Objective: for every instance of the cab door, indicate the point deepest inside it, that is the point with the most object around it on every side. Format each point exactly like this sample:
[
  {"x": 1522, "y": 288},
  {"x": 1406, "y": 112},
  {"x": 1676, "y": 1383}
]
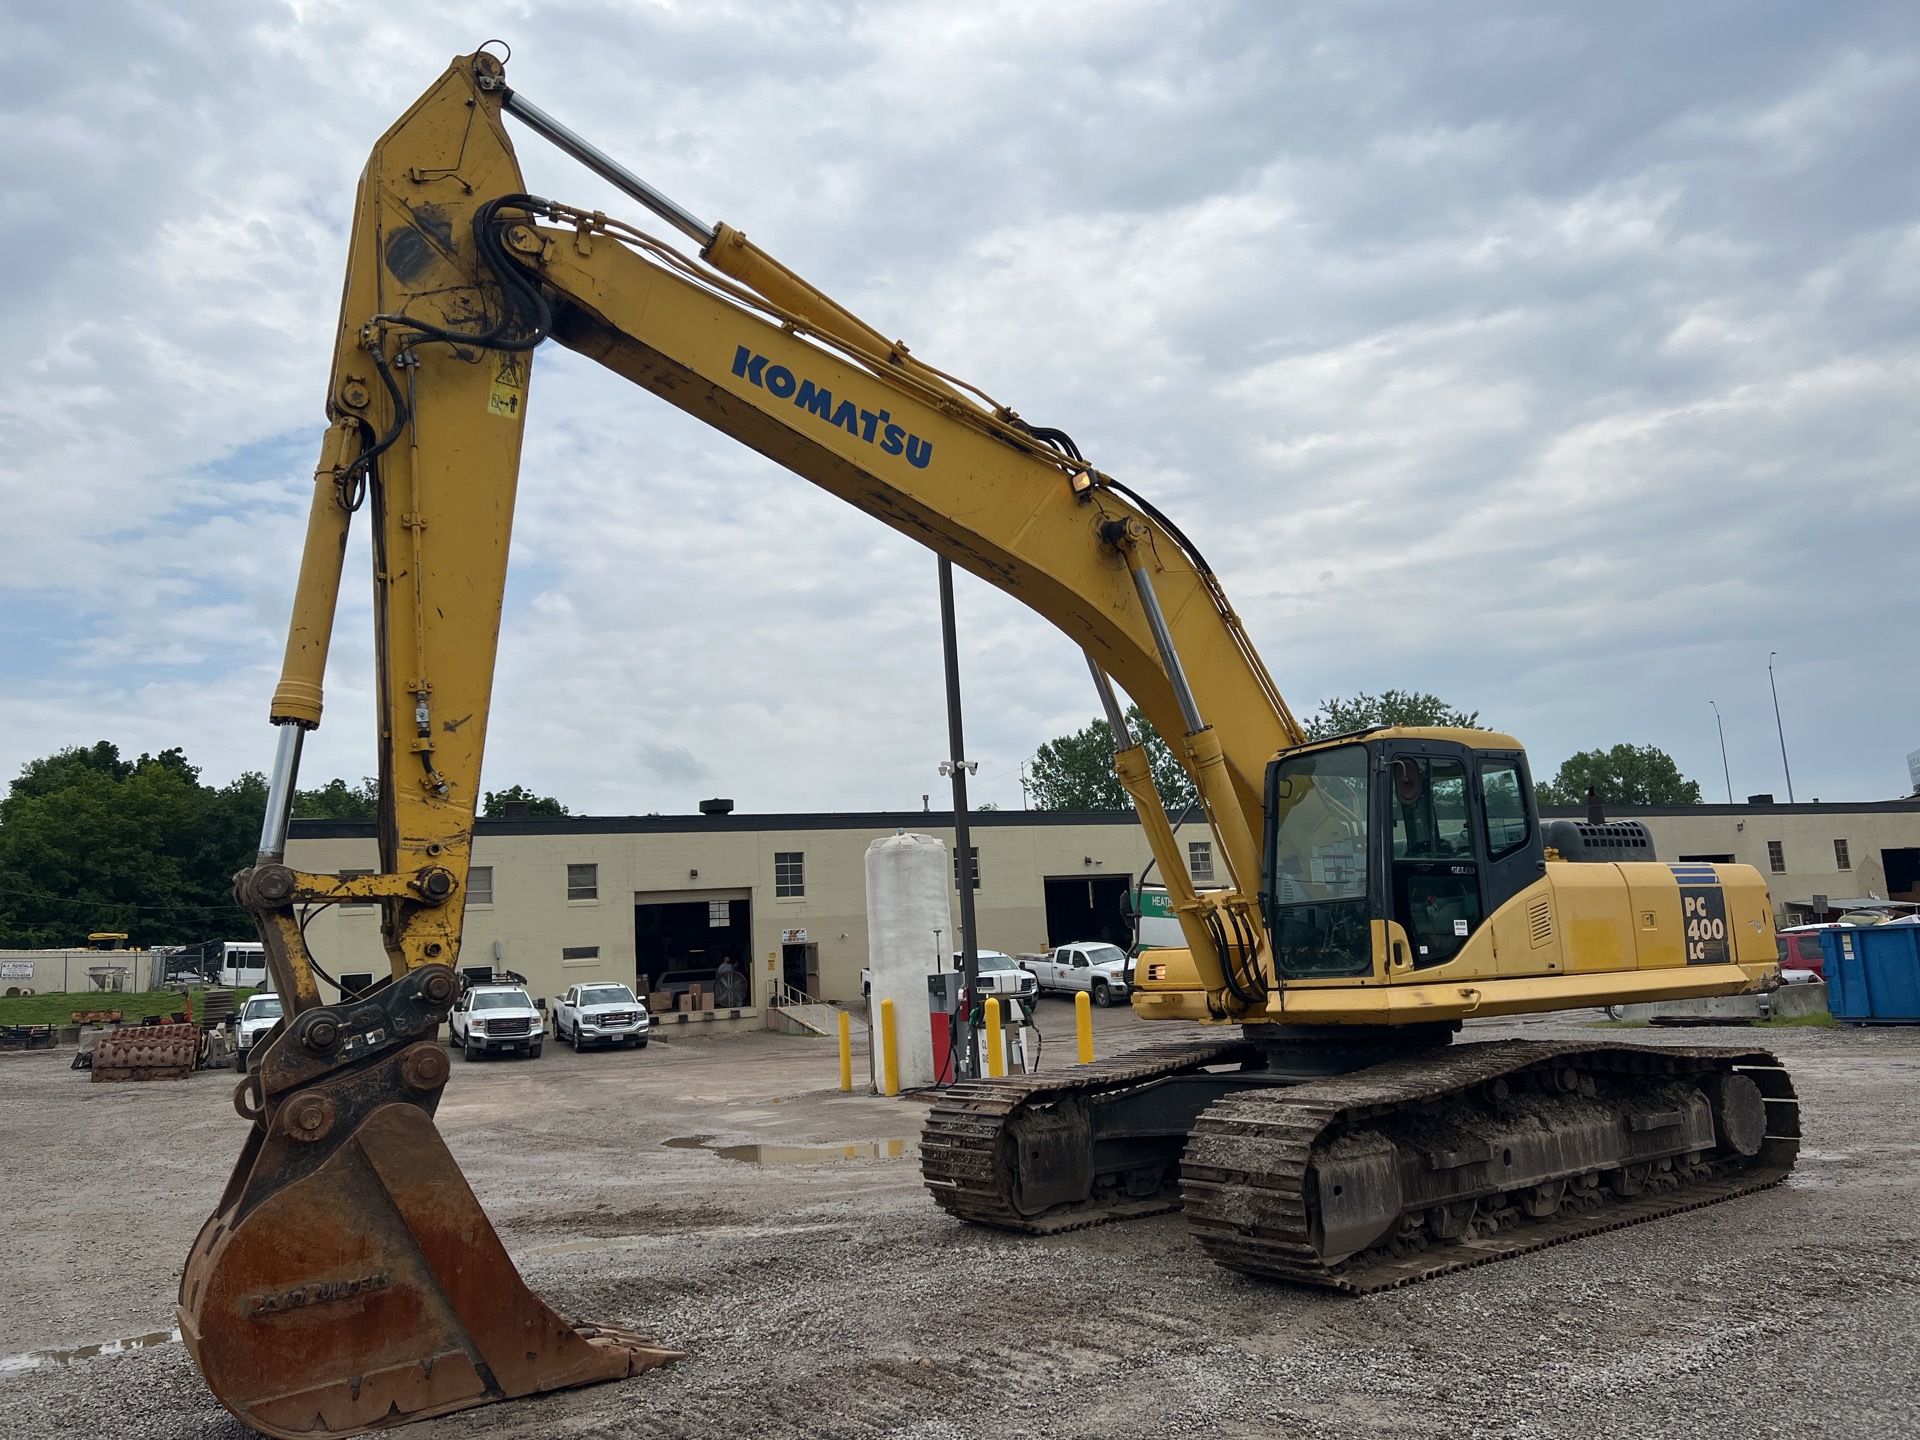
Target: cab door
[
  {"x": 1509, "y": 826},
  {"x": 1435, "y": 863}
]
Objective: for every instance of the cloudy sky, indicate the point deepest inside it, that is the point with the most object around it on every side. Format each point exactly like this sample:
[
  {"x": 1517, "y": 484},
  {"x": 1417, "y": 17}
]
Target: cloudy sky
[{"x": 1561, "y": 361}]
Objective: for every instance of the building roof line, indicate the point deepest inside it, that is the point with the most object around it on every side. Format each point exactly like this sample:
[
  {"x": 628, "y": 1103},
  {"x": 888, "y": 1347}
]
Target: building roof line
[{"x": 911, "y": 820}]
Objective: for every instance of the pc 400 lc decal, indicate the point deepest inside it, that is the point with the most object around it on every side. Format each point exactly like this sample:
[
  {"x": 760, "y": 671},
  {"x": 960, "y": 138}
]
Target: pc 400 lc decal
[
  {"x": 1703, "y": 908},
  {"x": 876, "y": 427}
]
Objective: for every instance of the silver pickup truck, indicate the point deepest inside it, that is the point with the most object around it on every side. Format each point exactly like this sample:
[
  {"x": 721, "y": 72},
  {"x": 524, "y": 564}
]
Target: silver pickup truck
[{"x": 1102, "y": 970}]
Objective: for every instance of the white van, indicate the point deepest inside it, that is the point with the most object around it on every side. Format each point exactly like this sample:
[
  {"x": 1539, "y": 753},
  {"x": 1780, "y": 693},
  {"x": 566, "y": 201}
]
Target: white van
[{"x": 243, "y": 964}]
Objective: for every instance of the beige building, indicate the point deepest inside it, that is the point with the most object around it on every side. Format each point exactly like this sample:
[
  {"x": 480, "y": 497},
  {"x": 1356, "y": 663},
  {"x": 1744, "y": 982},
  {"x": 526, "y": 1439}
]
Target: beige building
[{"x": 784, "y": 896}]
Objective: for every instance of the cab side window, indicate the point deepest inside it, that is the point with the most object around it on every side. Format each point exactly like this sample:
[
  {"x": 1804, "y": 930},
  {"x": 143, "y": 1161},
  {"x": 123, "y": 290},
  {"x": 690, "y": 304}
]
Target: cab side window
[
  {"x": 1505, "y": 807},
  {"x": 1430, "y": 809}
]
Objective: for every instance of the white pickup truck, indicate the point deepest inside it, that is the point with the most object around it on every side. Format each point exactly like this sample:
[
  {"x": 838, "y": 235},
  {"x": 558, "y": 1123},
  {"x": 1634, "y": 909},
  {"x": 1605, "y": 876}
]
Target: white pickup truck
[
  {"x": 497, "y": 1017},
  {"x": 1000, "y": 975},
  {"x": 259, "y": 1015},
  {"x": 1102, "y": 970},
  {"x": 603, "y": 1014}
]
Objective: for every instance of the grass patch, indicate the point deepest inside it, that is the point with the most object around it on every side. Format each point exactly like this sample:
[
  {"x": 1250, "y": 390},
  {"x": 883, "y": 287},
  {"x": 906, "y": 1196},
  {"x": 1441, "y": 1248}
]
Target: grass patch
[
  {"x": 57, "y": 1007},
  {"x": 1820, "y": 1020}
]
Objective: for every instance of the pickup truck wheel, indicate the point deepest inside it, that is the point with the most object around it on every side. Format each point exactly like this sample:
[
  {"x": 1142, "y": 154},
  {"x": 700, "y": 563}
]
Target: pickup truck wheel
[
  {"x": 468, "y": 1051},
  {"x": 533, "y": 1050},
  {"x": 239, "y": 1061},
  {"x": 574, "y": 1040},
  {"x": 1102, "y": 996}
]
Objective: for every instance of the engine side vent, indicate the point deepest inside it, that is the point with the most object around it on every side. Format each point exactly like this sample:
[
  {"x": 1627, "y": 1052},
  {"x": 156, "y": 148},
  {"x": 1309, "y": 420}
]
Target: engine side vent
[
  {"x": 1608, "y": 841},
  {"x": 1540, "y": 922}
]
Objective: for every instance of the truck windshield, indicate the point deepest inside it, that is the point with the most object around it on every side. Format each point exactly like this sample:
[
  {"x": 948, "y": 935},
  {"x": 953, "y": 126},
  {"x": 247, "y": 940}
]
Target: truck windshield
[
  {"x": 263, "y": 1007},
  {"x": 606, "y": 995},
  {"x": 501, "y": 1000},
  {"x": 1105, "y": 954},
  {"x": 1317, "y": 879}
]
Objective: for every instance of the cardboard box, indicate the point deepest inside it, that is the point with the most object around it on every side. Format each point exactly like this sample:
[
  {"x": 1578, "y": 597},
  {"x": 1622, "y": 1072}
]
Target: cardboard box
[
  {"x": 706, "y": 1002},
  {"x": 683, "y": 1001},
  {"x": 658, "y": 1000}
]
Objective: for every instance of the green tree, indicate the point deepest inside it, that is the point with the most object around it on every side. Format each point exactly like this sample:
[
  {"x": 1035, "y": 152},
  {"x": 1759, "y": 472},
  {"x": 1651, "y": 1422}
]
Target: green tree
[
  {"x": 1075, "y": 771},
  {"x": 90, "y": 841},
  {"x": 337, "y": 800},
  {"x": 495, "y": 802},
  {"x": 1340, "y": 716},
  {"x": 1624, "y": 775}
]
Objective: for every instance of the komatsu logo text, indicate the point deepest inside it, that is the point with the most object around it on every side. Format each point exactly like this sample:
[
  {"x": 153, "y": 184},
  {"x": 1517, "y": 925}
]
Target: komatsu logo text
[{"x": 876, "y": 427}]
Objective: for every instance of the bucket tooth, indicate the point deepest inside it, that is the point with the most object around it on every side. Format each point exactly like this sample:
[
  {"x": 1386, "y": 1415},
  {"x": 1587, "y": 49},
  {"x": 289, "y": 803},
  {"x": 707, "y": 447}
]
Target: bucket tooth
[{"x": 350, "y": 1280}]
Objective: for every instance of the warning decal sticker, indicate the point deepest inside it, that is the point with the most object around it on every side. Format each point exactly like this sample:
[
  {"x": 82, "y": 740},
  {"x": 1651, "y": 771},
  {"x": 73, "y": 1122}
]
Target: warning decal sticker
[{"x": 508, "y": 396}]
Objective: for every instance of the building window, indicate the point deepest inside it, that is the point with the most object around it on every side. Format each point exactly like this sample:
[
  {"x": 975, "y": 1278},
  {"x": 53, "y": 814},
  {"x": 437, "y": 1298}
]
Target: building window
[
  {"x": 356, "y": 904},
  {"x": 789, "y": 874},
  {"x": 719, "y": 913},
  {"x": 1841, "y": 860},
  {"x": 973, "y": 864},
  {"x": 480, "y": 885},
  {"x": 583, "y": 882},
  {"x": 1776, "y": 857},
  {"x": 1200, "y": 861},
  {"x": 580, "y": 952}
]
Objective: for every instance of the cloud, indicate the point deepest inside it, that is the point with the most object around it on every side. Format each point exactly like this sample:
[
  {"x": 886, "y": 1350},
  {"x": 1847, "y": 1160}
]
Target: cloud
[{"x": 1559, "y": 361}]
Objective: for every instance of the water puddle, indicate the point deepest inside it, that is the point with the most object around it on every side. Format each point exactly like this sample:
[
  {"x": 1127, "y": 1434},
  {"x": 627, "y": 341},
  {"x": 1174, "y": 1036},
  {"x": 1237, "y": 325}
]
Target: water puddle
[
  {"x": 36, "y": 1359},
  {"x": 795, "y": 1154}
]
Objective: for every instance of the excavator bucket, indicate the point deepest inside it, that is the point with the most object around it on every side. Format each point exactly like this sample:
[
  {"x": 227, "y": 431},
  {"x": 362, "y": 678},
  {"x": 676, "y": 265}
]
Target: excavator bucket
[{"x": 349, "y": 1280}]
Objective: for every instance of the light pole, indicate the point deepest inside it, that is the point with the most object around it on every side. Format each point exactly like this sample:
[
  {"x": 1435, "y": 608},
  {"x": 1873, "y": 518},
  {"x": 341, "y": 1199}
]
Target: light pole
[
  {"x": 1718, "y": 722},
  {"x": 1778, "y": 726},
  {"x": 959, "y": 769}
]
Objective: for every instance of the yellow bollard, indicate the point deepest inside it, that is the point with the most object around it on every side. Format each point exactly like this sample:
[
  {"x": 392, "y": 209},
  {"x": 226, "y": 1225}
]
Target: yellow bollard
[
  {"x": 846, "y": 1053},
  {"x": 1083, "y": 1022},
  {"x": 889, "y": 1051},
  {"x": 996, "y": 1055}
]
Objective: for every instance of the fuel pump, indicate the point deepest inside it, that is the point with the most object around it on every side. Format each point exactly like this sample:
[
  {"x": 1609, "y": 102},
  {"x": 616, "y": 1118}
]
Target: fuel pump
[{"x": 945, "y": 1003}]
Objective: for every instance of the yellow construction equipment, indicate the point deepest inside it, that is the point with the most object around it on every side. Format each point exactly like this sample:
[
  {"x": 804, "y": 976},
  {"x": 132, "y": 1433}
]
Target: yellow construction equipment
[{"x": 1380, "y": 886}]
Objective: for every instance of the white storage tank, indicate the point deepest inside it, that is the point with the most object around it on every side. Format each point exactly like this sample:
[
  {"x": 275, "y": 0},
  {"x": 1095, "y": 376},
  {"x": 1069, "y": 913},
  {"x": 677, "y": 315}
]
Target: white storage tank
[{"x": 908, "y": 900}]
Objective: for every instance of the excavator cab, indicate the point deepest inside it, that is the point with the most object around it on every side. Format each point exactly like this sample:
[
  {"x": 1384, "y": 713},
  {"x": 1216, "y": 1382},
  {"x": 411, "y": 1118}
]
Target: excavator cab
[{"x": 1387, "y": 851}]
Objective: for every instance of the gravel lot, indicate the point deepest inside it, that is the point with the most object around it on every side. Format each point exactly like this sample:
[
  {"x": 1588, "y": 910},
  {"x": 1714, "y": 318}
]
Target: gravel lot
[{"x": 832, "y": 1299}]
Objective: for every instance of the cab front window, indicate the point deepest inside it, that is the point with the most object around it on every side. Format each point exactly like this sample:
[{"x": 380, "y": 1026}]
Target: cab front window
[{"x": 1317, "y": 881}]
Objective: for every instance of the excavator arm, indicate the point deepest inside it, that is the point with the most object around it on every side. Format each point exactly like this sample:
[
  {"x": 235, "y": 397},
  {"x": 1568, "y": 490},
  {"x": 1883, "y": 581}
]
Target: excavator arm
[
  {"x": 456, "y": 275},
  {"x": 349, "y": 1279}
]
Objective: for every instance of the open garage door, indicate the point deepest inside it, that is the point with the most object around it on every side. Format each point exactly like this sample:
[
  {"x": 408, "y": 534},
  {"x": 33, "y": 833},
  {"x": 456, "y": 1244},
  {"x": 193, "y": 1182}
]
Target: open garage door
[
  {"x": 1903, "y": 873},
  {"x": 704, "y": 937},
  {"x": 1088, "y": 907}
]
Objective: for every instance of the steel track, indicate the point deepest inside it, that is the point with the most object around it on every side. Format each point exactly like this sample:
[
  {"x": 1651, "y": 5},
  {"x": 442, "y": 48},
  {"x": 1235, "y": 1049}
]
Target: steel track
[
  {"x": 1243, "y": 1178},
  {"x": 963, "y": 1156}
]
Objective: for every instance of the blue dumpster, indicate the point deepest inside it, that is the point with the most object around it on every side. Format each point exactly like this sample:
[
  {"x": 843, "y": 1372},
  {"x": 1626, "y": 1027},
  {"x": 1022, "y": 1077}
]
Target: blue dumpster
[{"x": 1873, "y": 973}]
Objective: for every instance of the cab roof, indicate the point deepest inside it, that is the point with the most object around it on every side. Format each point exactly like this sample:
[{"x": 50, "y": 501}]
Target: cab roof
[{"x": 1452, "y": 734}]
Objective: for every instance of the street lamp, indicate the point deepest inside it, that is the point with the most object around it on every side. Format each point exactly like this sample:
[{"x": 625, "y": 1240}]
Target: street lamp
[
  {"x": 1778, "y": 726},
  {"x": 1718, "y": 722}
]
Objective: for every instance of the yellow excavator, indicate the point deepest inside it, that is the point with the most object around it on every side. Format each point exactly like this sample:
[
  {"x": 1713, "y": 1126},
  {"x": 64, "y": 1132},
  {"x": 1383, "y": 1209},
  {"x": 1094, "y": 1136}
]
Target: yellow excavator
[{"x": 1380, "y": 887}]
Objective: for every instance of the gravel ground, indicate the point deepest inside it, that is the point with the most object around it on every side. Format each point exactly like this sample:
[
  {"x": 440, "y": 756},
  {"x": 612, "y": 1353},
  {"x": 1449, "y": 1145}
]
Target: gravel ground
[{"x": 832, "y": 1299}]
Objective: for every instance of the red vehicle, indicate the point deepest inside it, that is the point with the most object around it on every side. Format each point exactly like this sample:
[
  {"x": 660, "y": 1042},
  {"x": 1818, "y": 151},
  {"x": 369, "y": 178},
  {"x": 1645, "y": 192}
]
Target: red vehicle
[{"x": 1800, "y": 950}]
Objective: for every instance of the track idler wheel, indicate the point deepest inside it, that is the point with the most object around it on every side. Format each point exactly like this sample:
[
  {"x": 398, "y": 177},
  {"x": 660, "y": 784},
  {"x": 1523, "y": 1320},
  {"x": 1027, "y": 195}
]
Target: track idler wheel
[{"x": 349, "y": 1279}]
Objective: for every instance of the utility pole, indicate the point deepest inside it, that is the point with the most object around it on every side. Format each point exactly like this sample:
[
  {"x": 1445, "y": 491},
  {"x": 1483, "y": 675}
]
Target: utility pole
[
  {"x": 1723, "y": 750},
  {"x": 958, "y": 767},
  {"x": 1778, "y": 726}
]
